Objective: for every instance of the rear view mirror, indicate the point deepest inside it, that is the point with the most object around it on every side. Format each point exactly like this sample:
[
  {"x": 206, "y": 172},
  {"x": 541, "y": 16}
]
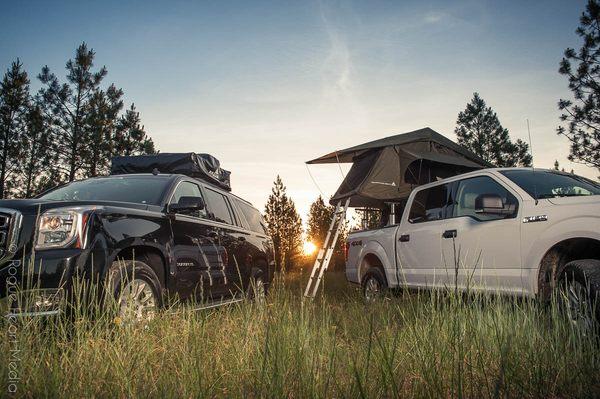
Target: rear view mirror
[
  {"x": 187, "y": 204},
  {"x": 490, "y": 204}
]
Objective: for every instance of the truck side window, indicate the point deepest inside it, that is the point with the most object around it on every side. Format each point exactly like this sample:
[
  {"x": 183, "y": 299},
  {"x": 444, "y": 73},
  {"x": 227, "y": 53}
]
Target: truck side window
[
  {"x": 469, "y": 189},
  {"x": 429, "y": 204},
  {"x": 217, "y": 205},
  {"x": 188, "y": 189}
]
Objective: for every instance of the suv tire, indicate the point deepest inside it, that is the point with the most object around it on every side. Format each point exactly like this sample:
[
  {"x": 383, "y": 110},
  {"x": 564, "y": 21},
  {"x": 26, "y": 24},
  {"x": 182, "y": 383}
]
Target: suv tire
[
  {"x": 579, "y": 291},
  {"x": 373, "y": 284},
  {"x": 136, "y": 290}
]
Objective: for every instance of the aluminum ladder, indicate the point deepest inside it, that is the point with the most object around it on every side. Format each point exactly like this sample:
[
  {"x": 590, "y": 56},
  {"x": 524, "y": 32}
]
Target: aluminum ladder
[{"x": 326, "y": 251}]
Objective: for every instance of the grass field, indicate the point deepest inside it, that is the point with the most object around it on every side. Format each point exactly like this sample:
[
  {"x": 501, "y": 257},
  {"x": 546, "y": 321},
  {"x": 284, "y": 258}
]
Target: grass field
[{"x": 417, "y": 345}]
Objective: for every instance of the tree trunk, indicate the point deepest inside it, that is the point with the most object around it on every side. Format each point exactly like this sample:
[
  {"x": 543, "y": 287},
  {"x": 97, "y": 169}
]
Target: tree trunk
[{"x": 4, "y": 156}]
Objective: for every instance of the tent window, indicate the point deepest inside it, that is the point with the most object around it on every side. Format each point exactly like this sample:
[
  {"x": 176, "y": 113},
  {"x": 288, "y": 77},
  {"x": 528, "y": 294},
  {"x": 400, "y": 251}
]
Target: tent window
[{"x": 429, "y": 204}]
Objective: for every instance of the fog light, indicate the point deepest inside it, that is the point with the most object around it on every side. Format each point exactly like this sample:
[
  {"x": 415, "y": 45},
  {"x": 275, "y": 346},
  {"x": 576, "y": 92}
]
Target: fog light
[{"x": 39, "y": 301}]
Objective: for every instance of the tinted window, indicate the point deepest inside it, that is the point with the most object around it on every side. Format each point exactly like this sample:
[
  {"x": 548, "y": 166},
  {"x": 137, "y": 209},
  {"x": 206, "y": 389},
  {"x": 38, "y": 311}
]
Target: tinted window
[
  {"x": 187, "y": 189},
  {"x": 548, "y": 184},
  {"x": 217, "y": 206},
  {"x": 469, "y": 189},
  {"x": 141, "y": 190},
  {"x": 429, "y": 204},
  {"x": 252, "y": 216}
]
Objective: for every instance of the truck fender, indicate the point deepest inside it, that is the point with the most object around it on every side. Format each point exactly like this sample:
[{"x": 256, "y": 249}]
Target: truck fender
[
  {"x": 573, "y": 228},
  {"x": 373, "y": 249}
]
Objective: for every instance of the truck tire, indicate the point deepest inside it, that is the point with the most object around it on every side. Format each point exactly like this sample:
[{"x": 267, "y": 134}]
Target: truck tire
[
  {"x": 136, "y": 290},
  {"x": 579, "y": 292},
  {"x": 373, "y": 284}
]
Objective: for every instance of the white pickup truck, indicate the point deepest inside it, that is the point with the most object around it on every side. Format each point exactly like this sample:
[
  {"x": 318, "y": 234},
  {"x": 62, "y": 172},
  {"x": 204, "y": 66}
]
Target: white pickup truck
[{"x": 512, "y": 230}]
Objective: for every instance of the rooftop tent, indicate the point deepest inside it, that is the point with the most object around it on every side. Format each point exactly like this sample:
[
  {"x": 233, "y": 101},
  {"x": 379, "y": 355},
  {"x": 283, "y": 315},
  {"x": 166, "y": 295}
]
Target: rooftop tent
[
  {"x": 200, "y": 166},
  {"x": 388, "y": 169}
]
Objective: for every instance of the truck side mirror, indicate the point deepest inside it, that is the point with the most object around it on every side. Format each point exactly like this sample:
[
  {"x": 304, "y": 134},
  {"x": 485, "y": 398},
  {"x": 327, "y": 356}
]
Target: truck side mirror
[
  {"x": 490, "y": 204},
  {"x": 187, "y": 204}
]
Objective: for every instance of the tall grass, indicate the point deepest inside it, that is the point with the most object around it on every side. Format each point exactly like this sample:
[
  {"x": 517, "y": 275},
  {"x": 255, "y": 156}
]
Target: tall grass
[{"x": 423, "y": 345}]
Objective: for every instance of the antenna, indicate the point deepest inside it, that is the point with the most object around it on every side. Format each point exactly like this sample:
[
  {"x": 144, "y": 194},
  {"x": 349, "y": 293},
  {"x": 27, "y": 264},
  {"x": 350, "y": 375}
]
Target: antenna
[{"x": 535, "y": 196}]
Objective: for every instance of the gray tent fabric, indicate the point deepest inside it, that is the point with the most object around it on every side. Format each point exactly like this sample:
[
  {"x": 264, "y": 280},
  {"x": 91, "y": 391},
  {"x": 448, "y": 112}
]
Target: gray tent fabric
[
  {"x": 421, "y": 135},
  {"x": 387, "y": 170}
]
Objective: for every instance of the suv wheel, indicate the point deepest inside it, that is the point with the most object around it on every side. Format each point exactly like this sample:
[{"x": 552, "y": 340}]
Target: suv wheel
[
  {"x": 257, "y": 290},
  {"x": 373, "y": 285},
  {"x": 136, "y": 290},
  {"x": 579, "y": 292}
]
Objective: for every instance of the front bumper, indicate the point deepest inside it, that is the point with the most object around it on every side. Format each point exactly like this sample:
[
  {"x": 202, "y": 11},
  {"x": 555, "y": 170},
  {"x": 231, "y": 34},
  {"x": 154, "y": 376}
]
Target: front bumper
[{"x": 38, "y": 284}]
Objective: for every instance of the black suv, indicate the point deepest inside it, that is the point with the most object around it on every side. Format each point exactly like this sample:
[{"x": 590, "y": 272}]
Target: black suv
[{"x": 172, "y": 235}]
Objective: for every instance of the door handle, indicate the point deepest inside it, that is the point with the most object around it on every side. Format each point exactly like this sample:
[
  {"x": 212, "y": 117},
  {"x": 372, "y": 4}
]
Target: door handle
[
  {"x": 404, "y": 238},
  {"x": 449, "y": 234},
  {"x": 242, "y": 239}
]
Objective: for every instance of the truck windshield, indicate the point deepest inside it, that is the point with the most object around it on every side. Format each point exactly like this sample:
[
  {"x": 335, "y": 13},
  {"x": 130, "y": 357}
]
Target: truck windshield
[
  {"x": 140, "y": 190},
  {"x": 549, "y": 184}
]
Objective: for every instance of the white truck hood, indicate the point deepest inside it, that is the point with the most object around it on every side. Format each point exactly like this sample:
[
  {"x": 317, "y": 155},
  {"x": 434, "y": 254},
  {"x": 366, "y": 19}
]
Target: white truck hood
[{"x": 581, "y": 200}]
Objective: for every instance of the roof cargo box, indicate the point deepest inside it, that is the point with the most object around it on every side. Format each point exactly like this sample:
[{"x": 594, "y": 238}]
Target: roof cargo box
[{"x": 200, "y": 166}]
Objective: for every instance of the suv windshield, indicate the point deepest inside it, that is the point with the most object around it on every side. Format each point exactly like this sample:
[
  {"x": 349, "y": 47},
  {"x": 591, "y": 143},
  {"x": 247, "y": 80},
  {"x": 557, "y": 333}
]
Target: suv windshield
[
  {"x": 141, "y": 190},
  {"x": 550, "y": 184}
]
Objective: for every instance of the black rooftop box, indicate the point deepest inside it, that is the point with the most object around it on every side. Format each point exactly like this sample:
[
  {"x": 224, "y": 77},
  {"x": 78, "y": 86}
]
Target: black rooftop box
[{"x": 200, "y": 166}]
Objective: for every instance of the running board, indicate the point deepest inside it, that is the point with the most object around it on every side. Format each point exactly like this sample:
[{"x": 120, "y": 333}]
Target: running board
[{"x": 220, "y": 303}]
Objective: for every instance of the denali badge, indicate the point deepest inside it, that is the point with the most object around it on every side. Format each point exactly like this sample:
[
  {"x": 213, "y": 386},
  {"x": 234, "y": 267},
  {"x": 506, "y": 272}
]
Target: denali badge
[{"x": 531, "y": 219}]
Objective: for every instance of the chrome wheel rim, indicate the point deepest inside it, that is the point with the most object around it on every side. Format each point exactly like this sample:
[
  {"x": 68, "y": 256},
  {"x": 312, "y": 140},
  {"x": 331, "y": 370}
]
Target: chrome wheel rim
[
  {"x": 372, "y": 289},
  {"x": 259, "y": 290},
  {"x": 137, "y": 301},
  {"x": 578, "y": 307}
]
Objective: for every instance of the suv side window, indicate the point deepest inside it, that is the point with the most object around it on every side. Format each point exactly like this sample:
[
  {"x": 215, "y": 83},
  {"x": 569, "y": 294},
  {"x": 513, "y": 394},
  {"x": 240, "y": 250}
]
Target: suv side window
[
  {"x": 429, "y": 204},
  {"x": 219, "y": 209},
  {"x": 469, "y": 189},
  {"x": 253, "y": 217},
  {"x": 188, "y": 189}
]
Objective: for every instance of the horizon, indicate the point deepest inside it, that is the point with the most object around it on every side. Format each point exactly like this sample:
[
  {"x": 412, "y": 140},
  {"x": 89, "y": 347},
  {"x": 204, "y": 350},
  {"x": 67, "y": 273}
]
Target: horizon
[{"x": 266, "y": 87}]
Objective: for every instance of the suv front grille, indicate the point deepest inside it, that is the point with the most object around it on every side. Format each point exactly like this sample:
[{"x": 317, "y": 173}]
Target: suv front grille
[{"x": 10, "y": 226}]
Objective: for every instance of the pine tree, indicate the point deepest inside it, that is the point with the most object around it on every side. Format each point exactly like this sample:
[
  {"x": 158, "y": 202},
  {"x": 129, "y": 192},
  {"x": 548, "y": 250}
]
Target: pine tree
[
  {"x": 100, "y": 126},
  {"x": 14, "y": 100},
  {"x": 284, "y": 225},
  {"x": 479, "y": 130},
  {"x": 582, "y": 69},
  {"x": 319, "y": 220},
  {"x": 68, "y": 104},
  {"x": 39, "y": 155},
  {"x": 130, "y": 137}
]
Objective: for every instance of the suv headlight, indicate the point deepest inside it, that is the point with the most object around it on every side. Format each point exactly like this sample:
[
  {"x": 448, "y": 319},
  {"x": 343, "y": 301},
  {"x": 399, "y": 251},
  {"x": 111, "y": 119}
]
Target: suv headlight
[{"x": 59, "y": 228}]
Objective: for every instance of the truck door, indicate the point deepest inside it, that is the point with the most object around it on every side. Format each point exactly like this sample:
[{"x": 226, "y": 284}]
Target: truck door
[
  {"x": 195, "y": 249},
  {"x": 419, "y": 238},
  {"x": 487, "y": 247}
]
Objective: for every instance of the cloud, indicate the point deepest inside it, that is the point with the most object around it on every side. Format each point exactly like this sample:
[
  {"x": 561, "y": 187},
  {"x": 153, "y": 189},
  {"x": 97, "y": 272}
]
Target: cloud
[{"x": 433, "y": 17}]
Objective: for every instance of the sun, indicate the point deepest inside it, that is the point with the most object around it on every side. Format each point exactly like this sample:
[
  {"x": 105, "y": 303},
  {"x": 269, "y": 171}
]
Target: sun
[{"x": 308, "y": 248}]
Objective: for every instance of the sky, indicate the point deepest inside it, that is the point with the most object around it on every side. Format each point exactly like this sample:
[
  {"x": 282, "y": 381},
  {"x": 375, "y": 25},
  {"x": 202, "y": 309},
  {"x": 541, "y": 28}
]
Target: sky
[{"x": 267, "y": 85}]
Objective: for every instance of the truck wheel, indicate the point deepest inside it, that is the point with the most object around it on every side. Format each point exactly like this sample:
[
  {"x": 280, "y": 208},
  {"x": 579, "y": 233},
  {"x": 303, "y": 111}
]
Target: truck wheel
[
  {"x": 373, "y": 284},
  {"x": 579, "y": 292},
  {"x": 136, "y": 290}
]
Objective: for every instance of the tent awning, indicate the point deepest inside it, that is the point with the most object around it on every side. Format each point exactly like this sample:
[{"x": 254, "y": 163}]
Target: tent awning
[
  {"x": 388, "y": 169},
  {"x": 426, "y": 134}
]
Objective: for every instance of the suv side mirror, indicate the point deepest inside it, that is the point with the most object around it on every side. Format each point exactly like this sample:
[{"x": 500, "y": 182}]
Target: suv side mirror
[
  {"x": 490, "y": 204},
  {"x": 187, "y": 204}
]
